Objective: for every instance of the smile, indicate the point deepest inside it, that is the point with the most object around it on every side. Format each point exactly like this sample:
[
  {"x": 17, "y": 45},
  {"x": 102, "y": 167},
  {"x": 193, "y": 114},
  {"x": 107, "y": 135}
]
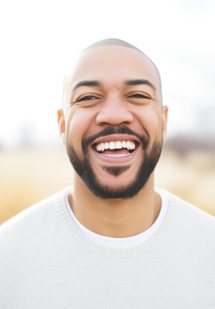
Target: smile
[{"x": 118, "y": 145}]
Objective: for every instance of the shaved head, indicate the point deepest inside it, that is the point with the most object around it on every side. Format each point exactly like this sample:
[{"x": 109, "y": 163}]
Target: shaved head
[
  {"x": 112, "y": 41},
  {"x": 118, "y": 42},
  {"x": 108, "y": 44}
]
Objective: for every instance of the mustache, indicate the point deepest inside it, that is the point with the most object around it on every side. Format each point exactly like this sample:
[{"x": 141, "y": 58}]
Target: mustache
[{"x": 144, "y": 139}]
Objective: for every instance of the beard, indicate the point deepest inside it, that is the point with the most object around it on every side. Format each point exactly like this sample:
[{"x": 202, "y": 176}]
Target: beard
[{"x": 85, "y": 170}]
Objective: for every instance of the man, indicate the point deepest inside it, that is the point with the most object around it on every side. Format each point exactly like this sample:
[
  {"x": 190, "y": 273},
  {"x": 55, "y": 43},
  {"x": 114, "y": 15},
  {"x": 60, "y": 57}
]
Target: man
[{"x": 112, "y": 240}]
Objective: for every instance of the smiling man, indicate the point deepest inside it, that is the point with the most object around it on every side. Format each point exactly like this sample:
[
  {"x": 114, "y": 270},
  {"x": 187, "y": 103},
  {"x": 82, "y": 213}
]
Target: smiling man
[{"x": 112, "y": 240}]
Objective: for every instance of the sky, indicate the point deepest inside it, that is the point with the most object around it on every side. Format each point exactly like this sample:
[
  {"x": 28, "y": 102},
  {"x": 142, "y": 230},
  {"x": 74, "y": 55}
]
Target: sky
[{"x": 41, "y": 39}]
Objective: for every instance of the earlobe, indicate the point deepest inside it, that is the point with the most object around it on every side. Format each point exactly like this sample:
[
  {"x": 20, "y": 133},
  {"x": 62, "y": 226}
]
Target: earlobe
[
  {"x": 61, "y": 124},
  {"x": 164, "y": 120}
]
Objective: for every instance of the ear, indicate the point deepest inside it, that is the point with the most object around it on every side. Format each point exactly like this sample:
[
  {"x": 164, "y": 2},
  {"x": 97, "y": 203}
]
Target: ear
[
  {"x": 61, "y": 124},
  {"x": 164, "y": 119}
]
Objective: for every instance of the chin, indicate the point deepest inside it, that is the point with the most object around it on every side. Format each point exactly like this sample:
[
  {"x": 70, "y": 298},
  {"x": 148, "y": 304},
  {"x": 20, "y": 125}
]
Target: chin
[{"x": 114, "y": 190}]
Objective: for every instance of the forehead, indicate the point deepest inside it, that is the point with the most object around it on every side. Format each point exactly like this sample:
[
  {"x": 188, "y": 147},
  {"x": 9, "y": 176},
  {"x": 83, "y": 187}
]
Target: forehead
[{"x": 114, "y": 63}]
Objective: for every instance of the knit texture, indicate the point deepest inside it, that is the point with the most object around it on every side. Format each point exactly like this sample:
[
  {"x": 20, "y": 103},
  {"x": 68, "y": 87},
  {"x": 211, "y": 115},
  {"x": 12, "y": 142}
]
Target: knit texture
[{"x": 47, "y": 262}]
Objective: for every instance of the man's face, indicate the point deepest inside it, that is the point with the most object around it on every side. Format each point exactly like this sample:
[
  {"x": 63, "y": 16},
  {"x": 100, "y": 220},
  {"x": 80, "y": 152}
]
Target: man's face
[{"x": 114, "y": 121}]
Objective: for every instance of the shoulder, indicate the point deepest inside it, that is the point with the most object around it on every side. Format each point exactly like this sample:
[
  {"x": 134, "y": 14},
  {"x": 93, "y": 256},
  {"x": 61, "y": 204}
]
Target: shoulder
[
  {"x": 191, "y": 211},
  {"x": 189, "y": 221},
  {"x": 34, "y": 217},
  {"x": 188, "y": 234}
]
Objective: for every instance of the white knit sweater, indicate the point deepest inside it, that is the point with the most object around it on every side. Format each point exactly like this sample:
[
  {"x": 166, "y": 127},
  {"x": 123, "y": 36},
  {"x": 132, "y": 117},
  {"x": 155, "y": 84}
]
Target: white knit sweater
[{"x": 48, "y": 262}]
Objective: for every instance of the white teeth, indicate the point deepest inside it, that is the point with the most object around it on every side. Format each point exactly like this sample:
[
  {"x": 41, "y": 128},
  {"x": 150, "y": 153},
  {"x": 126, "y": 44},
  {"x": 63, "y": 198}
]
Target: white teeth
[
  {"x": 112, "y": 145},
  {"x": 118, "y": 145},
  {"x": 124, "y": 144},
  {"x": 130, "y": 145}
]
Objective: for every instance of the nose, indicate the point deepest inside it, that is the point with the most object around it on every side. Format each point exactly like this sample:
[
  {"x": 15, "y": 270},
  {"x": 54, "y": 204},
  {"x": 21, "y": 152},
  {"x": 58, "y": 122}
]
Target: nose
[{"x": 114, "y": 111}]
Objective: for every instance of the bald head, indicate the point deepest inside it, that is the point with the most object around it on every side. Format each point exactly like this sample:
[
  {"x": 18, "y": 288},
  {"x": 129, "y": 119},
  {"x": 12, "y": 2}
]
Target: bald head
[
  {"x": 114, "y": 55},
  {"x": 112, "y": 41},
  {"x": 118, "y": 42}
]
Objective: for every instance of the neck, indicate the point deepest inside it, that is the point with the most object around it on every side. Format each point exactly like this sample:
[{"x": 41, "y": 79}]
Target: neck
[{"x": 117, "y": 217}]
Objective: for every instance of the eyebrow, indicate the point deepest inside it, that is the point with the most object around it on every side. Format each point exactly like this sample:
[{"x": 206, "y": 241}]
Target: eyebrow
[
  {"x": 87, "y": 83},
  {"x": 132, "y": 82}
]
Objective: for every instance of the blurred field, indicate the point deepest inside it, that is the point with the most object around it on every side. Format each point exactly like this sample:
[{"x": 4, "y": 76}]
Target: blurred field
[{"x": 28, "y": 175}]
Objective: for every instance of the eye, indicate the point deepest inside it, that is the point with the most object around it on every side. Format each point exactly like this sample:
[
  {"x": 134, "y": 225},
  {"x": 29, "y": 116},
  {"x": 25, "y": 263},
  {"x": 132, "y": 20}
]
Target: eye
[
  {"x": 139, "y": 96},
  {"x": 87, "y": 98}
]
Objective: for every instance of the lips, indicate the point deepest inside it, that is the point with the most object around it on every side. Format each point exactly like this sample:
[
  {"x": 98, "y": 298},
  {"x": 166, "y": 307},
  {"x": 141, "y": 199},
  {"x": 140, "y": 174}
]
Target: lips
[{"x": 115, "y": 147}]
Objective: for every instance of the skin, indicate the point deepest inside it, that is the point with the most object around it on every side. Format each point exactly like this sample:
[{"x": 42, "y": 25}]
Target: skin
[{"x": 113, "y": 103}]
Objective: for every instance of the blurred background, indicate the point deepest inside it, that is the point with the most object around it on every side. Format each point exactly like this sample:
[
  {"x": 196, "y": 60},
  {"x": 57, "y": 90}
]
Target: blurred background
[{"x": 40, "y": 41}]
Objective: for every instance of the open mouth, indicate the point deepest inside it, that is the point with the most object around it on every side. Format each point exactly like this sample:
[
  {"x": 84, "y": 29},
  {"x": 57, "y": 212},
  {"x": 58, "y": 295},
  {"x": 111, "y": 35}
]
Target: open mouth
[{"x": 118, "y": 148}]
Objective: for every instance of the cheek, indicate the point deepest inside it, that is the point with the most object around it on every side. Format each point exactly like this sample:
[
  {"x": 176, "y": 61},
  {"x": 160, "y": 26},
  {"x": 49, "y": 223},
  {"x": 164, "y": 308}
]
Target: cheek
[
  {"x": 78, "y": 122},
  {"x": 151, "y": 120}
]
